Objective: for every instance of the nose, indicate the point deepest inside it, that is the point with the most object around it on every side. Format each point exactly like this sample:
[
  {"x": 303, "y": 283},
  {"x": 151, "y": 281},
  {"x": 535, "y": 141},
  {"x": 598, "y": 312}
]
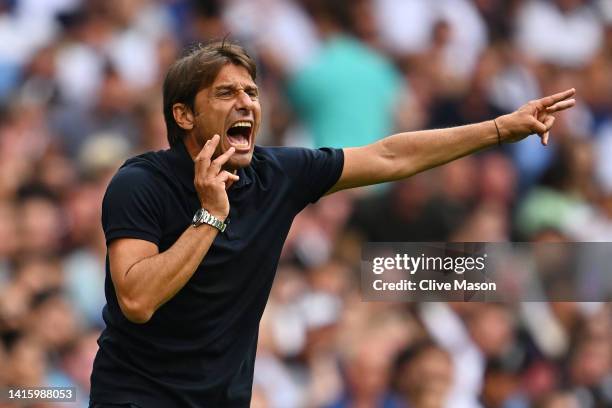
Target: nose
[{"x": 244, "y": 101}]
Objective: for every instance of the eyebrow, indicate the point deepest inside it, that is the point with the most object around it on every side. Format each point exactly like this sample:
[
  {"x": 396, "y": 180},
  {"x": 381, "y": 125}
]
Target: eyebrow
[{"x": 234, "y": 87}]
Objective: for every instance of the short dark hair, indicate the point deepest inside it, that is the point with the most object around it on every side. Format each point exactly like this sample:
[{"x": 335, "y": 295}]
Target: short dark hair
[{"x": 196, "y": 70}]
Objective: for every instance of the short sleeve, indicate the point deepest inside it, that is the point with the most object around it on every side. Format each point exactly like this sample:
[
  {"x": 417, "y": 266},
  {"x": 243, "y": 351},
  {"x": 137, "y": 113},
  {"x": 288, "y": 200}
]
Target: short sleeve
[
  {"x": 132, "y": 206},
  {"x": 313, "y": 172}
]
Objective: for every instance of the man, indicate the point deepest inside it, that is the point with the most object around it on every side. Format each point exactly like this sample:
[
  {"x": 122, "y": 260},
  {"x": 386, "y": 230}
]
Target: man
[
  {"x": 185, "y": 287},
  {"x": 423, "y": 375}
]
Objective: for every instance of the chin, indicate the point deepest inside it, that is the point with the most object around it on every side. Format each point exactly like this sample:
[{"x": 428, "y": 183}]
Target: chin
[{"x": 239, "y": 161}]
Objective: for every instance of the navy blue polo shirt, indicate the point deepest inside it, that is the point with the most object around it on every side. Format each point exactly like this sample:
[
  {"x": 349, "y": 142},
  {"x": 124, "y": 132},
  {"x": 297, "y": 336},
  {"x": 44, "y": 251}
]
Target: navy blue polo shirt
[{"x": 198, "y": 349}]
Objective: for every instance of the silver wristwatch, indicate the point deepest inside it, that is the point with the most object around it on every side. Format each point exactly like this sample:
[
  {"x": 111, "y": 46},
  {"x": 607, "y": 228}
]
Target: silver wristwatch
[{"x": 204, "y": 217}]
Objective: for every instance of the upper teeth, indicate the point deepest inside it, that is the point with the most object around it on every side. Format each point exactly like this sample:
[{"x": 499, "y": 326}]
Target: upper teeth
[{"x": 245, "y": 124}]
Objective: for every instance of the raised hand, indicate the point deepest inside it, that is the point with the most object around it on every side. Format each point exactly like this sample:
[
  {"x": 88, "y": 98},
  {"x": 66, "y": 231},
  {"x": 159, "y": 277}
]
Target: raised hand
[
  {"x": 211, "y": 182},
  {"x": 536, "y": 116}
]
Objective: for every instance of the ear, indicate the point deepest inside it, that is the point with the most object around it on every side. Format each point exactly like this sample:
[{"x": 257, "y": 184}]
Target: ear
[{"x": 183, "y": 116}]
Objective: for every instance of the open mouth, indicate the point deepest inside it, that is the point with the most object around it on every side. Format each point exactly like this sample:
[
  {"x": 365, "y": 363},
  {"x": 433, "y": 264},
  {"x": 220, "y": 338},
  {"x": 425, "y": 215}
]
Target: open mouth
[{"x": 239, "y": 135}]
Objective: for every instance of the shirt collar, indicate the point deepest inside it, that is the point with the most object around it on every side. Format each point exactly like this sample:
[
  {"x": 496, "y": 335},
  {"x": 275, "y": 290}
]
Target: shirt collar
[{"x": 182, "y": 164}]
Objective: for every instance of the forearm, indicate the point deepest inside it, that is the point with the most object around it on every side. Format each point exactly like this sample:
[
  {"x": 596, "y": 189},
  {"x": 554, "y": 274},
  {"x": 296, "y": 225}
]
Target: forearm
[
  {"x": 413, "y": 152},
  {"x": 405, "y": 154},
  {"x": 154, "y": 280}
]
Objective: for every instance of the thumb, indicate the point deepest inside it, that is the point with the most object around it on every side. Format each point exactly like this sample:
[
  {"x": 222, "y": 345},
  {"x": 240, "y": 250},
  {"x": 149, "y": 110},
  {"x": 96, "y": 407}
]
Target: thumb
[
  {"x": 539, "y": 127},
  {"x": 229, "y": 182},
  {"x": 227, "y": 178}
]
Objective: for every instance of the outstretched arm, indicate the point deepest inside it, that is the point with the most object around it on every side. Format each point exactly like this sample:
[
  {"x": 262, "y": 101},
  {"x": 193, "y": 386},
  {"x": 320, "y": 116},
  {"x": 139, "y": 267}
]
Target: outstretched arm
[{"x": 404, "y": 154}]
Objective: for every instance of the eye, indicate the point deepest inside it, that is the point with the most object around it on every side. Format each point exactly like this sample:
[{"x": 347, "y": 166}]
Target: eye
[{"x": 225, "y": 93}]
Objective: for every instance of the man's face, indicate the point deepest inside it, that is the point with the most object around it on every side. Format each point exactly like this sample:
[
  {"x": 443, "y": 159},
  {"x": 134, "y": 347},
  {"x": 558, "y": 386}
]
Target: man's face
[{"x": 230, "y": 108}]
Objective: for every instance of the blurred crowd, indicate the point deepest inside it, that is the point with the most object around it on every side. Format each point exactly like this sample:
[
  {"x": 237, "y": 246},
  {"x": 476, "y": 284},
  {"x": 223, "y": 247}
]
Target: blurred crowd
[{"x": 80, "y": 91}]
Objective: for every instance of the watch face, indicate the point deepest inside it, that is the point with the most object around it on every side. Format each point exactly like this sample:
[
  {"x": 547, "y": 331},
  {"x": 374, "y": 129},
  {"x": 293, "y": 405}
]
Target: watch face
[{"x": 197, "y": 216}]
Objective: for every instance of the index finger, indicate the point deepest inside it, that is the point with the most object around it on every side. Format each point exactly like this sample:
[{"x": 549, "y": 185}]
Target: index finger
[
  {"x": 559, "y": 106},
  {"x": 558, "y": 97},
  {"x": 209, "y": 148},
  {"x": 221, "y": 160}
]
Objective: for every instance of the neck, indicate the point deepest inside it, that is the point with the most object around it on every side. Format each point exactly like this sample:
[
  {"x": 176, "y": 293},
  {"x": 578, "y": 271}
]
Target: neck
[{"x": 192, "y": 146}]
